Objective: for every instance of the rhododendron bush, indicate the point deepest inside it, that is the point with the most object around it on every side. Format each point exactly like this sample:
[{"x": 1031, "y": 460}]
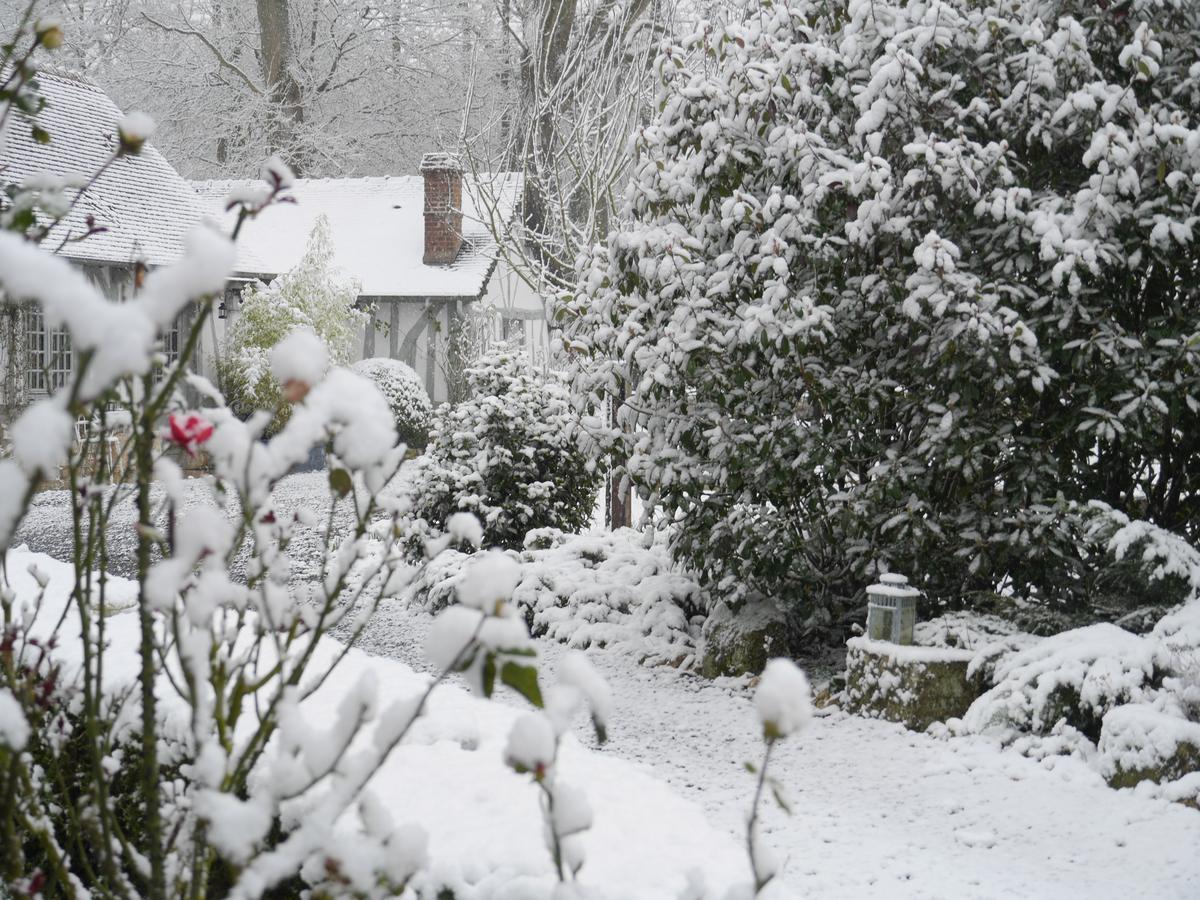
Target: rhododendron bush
[
  {"x": 509, "y": 453},
  {"x": 907, "y": 286}
]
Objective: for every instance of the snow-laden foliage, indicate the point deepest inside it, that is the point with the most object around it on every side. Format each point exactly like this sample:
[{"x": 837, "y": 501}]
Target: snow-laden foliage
[
  {"x": 618, "y": 590},
  {"x": 906, "y": 285},
  {"x": 1115, "y": 698},
  {"x": 313, "y": 296},
  {"x": 405, "y": 394},
  {"x": 509, "y": 454}
]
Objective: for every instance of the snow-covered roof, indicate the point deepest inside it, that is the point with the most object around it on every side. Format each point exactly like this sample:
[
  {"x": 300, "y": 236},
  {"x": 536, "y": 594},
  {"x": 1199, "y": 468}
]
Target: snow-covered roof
[
  {"x": 378, "y": 231},
  {"x": 144, "y": 204}
]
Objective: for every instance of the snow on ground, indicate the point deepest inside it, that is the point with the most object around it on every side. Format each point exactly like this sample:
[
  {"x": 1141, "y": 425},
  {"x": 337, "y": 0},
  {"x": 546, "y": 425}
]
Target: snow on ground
[
  {"x": 483, "y": 819},
  {"x": 879, "y": 811}
]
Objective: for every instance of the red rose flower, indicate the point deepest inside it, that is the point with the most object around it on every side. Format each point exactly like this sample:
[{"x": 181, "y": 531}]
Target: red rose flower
[{"x": 189, "y": 431}]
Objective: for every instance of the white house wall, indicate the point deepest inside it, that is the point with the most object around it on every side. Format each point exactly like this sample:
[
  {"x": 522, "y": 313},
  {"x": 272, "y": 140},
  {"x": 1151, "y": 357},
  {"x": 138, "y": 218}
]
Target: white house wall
[
  {"x": 510, "y": 297},
  {"x": 414, "y": 332}
]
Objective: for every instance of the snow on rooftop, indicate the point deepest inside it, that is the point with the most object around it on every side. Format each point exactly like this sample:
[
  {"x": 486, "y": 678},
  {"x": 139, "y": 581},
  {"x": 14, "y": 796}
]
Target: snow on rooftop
[
  {"x": 144, "y": 204},
  {"x": 378, "y": 230}
]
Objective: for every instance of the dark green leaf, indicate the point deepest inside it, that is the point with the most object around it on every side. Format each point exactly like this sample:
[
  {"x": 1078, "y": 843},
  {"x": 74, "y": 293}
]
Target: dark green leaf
[
  {"x": 489, "y": 674},
  {"x": 340, "y": 482},
  {"x": 524, "y": 680}
]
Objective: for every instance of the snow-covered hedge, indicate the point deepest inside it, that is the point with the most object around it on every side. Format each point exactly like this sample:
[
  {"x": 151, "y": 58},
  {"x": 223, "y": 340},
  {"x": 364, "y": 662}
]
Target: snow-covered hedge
[
  {"x": 1127, "y": 703},
  {"x": 908, "y": 285},
  {"x": 618, "y": 590},
  {"x": 404, "y": 392},
  {"x": 1074, "y": 677},
  {"x": 509, "y": 454}
]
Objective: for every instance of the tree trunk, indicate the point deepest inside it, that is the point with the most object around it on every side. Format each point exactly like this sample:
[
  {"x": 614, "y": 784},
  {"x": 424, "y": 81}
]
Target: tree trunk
[
  {"x": 619, "y": 511},
  {"x": 287, "y": 103}
]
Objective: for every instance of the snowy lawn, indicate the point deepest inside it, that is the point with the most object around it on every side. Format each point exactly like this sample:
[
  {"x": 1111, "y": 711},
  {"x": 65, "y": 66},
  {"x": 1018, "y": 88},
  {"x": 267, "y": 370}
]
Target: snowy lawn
[{"x": 879, "y": 811}]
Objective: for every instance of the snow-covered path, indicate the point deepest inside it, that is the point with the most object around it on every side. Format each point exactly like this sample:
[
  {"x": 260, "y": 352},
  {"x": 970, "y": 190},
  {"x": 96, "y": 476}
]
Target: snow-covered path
[{"x": 880, "y": 811}]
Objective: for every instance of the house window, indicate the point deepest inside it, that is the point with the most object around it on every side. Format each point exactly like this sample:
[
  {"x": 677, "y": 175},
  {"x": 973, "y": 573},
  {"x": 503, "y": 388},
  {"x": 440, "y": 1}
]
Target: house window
[
  {"x": 512, "y": 331},
  {"x": 170, "y": 341},
  {"x": 49, "y": 349}
]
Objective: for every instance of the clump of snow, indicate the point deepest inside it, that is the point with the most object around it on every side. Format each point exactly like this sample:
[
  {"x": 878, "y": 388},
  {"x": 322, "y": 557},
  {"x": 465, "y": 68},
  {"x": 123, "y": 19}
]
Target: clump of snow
[
  {"x": 575, "y": 670},
  {"x": 618, "y": 590},
  {"x": 136, "y": 125},
  {"x": 489, "y": 580},
  {"x": 134, "y": 129},
  {"x": 277, "y": 173},
  {"x": 14, "y": 729},
  {"x": 783, "y": 699},
  {"x": 41, "y": 437},
  {"x": 464, "y": 528},
  {"x": 234, "y": 826},
  {"x": 451, "y": 633},
  {"x": 531, "y": 744},
  {"x": 300, "y": 357}
]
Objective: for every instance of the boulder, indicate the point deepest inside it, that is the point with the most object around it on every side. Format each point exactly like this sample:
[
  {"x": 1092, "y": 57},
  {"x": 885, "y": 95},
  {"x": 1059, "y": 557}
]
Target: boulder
[
  {"x": 913, "y": 685},
  {"x": 740, "y": 643}
]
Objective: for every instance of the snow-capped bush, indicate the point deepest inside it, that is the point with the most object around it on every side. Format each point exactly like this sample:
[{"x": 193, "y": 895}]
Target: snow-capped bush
[
  {"x": 905, "y": 286},
  {"x": 1104, "y": 693},
  {"x": 1141, "y": 740},
  {"x": 618, "y": 590},
  {"x": 1075, "y": 677},
  {"x": 509, "y": 454},
  {"x": 314, "y": 297},
  {"x": 405, "y": 394}
]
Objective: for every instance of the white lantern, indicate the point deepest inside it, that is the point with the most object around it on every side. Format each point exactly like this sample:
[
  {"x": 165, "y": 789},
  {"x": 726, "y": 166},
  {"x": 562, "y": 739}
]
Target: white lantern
[{"x": 892, "y": 609}]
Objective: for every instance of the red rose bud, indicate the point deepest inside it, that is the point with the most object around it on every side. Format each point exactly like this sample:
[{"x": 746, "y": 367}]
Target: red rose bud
[
  {"x": 189, "y": 431},
  {"x": 295, "y": 390}
]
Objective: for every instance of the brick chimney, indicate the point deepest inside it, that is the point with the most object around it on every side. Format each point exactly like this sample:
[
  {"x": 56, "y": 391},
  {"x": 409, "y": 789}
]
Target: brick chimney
[{"x": 443, "y": 208}]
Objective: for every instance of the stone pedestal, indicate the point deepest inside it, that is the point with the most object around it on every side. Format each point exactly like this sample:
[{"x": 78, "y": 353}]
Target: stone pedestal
[{"x": 913, "y": 685}]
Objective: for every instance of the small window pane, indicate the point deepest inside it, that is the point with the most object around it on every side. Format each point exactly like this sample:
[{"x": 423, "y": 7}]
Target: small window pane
[{"x": 49, "y": 353}]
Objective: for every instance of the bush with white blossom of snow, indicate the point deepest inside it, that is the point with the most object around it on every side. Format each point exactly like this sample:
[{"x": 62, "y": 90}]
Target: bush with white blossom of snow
[
  {"x": 618, "y": 590},
  {"x": 313, "y": 296},
  {"x": 508, "y": 453},
  {"x": 405, "y": 394},
  {"x": 905, "y": 286},
  {"x": 1123, "y": 702}
]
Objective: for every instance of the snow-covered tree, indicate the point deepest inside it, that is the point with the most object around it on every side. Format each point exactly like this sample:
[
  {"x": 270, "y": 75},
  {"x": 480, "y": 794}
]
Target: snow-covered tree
[
  {"x": 231, "y": 82},
  {"x": 906, "y": 285},
  {"x": 315, "y": 296},
  {"x": 508, "y": 454}
]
